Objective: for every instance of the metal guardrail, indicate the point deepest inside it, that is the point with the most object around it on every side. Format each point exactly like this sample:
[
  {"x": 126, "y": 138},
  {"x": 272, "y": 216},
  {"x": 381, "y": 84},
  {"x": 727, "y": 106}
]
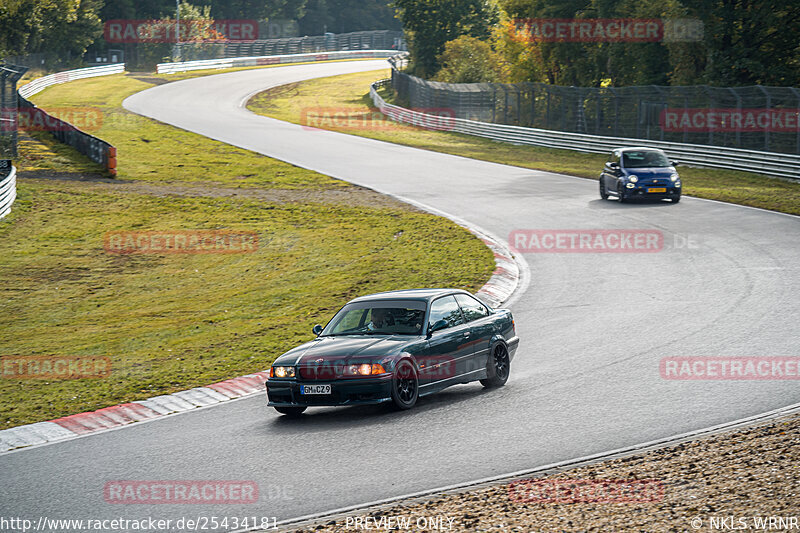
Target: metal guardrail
[
  {"x": 757, "y": 117},
  {"x": 330, "y": 42},
  {"x": 8, "y": 192},
  {"x": 235, "y": 62},
  {"x": 10, "y": 74},
  {"x": 96, "y": 149},
  {"x": 769, "y": 163},
  {"x": 92, "y": 147},
  {"x": 40, "y": 84}
]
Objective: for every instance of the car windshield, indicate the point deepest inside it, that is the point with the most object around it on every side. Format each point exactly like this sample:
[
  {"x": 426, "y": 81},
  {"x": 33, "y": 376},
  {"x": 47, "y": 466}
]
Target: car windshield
[
  {"x": 380, "y": 317},
  {"x": 644, "y": 158}
]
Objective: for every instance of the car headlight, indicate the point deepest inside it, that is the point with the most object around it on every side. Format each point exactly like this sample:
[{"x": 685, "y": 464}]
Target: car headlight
[
  {"x": 281, "y": 372},
  {"x": 364, "y": 369},
  {"x": 674, "y": 177},
  {"x": 677, "y": 183},
  {"x": 630, "y": 185},
  {"x": 633, "y": 178}
]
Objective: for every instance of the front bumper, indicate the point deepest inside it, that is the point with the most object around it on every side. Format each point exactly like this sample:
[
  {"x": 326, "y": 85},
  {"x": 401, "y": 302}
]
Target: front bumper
[
  {"x": 356, "y": 391},
  {"x": 641, "y": 191}
]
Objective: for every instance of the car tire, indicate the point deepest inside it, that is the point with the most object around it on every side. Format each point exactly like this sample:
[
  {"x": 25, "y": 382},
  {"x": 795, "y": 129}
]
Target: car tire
[
  {"x": 405, "y": 386},
  {"x": 498, "y": 368},
  {"x": 291, "y": 412},
  {"x": 603, "y": 192},
  {"x": 675, "y": 199}
]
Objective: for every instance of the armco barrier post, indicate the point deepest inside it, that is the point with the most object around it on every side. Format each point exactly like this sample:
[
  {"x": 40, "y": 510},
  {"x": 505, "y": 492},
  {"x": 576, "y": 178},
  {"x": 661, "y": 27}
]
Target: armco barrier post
[{"x": 112, "y": 161}]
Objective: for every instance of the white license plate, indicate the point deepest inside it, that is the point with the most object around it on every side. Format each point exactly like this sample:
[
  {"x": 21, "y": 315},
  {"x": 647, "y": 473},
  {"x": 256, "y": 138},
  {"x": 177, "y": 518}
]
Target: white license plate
[{"x": 315, "y": 389}]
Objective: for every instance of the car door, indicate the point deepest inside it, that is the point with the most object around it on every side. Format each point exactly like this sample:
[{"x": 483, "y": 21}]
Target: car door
[
  {"x": 449, "y": 349},
  {"x": 611, "y": 171},
  {"x": 481, "y": 326}
]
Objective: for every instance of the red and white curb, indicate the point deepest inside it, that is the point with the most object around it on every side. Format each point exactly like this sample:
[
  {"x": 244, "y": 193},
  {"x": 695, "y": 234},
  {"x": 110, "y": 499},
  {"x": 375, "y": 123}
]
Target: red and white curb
[
  {"x": 120, "y": 415},
  {"x": 505, "y": 279}
]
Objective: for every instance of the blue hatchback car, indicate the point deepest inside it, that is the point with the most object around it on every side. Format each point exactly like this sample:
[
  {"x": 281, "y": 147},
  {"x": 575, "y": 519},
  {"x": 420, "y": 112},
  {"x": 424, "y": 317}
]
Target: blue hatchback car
[{"x": 640, "y": 173}]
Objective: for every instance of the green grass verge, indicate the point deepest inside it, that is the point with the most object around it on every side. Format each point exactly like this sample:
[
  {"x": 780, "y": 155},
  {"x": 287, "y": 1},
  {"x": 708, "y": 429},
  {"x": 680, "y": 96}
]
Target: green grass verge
[
  {"x": 350, "y": 93},
  {"x": 148, "y": 150},
  {"x": 171, "y": 322},
  {"x": 39, "y": 152}
]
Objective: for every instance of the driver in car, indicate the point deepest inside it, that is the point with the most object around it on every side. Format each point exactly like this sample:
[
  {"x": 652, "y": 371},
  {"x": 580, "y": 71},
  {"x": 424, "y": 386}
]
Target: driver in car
[{"x": 380, "y": 319}]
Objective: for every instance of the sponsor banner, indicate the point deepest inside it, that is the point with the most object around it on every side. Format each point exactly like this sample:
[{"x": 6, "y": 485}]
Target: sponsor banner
[
  {"x": 54, "y": 367},
  {"x": 730, "y": 368},
  {"x": 164, "y": 31},
  {"x": 586, "y": 491},
  {"x": 180, "y": 492},
  {"x": 730, "y": 120},
  {"x": 587, "y": 241},
  {"x": 181, "y": 242}
]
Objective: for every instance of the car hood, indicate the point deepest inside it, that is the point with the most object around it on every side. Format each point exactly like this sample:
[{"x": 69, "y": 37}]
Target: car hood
[
  {"x": 345, "y": 348},
  {"x": 651, "y": 172}
]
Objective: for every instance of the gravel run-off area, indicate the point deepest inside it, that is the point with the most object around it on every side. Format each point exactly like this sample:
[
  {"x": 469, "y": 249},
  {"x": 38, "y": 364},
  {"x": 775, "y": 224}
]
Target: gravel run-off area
[{"x": 746, "y": 479}]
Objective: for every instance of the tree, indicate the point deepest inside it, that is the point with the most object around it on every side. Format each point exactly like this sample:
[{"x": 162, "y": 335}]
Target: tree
[
  {"x": 750, "y": 41},
  {"x": 429, "y": 24},
  {"x": 256, "y": 9},
  {"x": 745, "y": 42},
  {"x": 470, "y": 60},
  {"x": 62, "y": 29},
  {"x": 137, "y": 9},
  {"x": 342, "y": 16}
]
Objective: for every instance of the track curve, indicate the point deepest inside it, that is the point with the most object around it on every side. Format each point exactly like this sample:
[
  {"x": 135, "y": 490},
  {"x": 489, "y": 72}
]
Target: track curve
[{"x": 586, "y": 378}]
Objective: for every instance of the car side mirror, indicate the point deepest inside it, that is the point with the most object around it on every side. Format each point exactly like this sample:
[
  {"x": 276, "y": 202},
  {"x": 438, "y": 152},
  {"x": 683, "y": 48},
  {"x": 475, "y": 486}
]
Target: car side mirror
[
  {"x": 316, "y": 330},
  {"x": 613, "y": 166},
  {"x": 674, "y": 163},
  {"x": 436, "y": 326}
]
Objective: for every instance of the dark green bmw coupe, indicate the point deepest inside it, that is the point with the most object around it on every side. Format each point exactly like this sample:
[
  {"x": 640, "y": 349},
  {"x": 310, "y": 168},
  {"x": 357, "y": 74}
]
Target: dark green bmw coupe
[{"x": 395, "y": 347}]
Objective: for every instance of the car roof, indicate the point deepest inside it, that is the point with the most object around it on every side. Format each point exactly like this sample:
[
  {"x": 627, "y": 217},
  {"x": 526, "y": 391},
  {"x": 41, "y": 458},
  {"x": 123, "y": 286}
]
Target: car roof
[
  {"x": 408, "y": 294},
  {"x": 637, "y": 148}
]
